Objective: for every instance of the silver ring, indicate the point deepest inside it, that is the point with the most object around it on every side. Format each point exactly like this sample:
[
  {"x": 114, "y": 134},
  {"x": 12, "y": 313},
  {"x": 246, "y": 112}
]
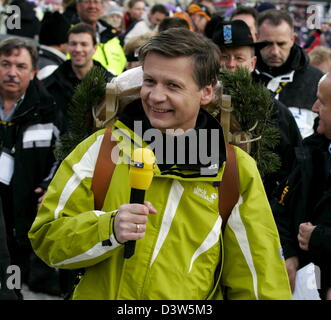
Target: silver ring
[{"x": 137, "y": 228}]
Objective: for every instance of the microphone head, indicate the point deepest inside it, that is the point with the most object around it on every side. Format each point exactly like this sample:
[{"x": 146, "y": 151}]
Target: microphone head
[{"x": 141, "y": 169}]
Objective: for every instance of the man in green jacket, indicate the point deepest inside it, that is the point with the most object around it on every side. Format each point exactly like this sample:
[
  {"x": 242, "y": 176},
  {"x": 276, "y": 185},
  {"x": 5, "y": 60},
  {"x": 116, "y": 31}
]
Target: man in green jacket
[
  {"x": 109, "y": 51},
  {"x": 181, "y": 252}
]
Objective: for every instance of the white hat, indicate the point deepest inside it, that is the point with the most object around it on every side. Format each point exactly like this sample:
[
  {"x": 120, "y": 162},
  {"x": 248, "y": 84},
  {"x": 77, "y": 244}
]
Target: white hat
[{"x": 114, "y": 9}]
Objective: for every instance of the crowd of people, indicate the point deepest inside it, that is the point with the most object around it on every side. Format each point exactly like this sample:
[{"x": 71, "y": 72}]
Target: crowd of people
[{"x": 207, "y": 230}]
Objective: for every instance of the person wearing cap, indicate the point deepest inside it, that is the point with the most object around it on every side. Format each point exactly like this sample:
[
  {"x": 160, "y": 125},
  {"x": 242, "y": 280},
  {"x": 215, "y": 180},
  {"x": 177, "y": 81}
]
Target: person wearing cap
[
  {"x": 114, "y": 16},
  {"x": 283, "y": 66},
  {"x": 109, "y": 51},
  {"x": 199, "y": 15},
  {"x": 238, "y": 50},
  {"x": 53, "y": 43}
]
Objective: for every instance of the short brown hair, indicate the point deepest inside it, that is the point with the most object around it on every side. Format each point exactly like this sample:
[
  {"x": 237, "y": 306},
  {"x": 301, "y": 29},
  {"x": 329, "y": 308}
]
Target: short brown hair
[
  {"x": 245, "y": 10},
  {"x": 180, "y": 42},
  {"x": 83, "y": 28},
  {"x": 275, "y": 17}
]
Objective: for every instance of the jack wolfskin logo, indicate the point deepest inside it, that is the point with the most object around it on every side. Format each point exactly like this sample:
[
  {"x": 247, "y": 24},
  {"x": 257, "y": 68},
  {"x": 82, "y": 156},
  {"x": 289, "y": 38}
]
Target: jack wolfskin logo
[{"x": 203, "y": 194}]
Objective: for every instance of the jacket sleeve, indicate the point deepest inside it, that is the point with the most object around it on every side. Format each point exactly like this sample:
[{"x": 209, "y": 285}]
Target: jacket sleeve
[
  {"x": 253, "y": 266},
  {"x": 320, "y": 241},
  {"x": 68, "y": 232},
  {"x": 58, "y": 130},
  {"x": 287, "y": 204}
]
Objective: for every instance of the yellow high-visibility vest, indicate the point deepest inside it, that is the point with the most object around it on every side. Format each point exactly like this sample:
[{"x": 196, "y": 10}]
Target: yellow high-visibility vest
[{"x": 111, "y": 56}]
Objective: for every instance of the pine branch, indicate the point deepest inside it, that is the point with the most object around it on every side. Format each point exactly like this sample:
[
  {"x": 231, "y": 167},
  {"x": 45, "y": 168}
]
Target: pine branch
[{"x": 253, "y": 108}]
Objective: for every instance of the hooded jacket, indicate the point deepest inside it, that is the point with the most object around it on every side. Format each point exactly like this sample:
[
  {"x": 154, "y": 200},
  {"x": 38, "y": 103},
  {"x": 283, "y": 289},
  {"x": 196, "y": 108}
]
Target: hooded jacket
[
  {"x": 294, "y": 83},
  {"x": 183, "y": 254},
  {"x": 301, "y": 88}
]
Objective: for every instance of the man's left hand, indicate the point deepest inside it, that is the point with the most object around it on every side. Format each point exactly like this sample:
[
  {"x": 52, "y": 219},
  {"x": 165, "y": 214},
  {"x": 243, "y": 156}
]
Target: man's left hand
[
  {"x": 305, "y": 231},
  {"x": 41, "y": 192}
]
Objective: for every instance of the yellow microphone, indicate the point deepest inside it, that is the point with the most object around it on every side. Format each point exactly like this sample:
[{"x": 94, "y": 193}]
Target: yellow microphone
[{"x": 140, "y": 178}]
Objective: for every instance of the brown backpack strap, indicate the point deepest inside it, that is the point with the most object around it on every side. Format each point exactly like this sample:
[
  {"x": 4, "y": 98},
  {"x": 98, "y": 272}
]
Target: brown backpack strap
[
  {"x": 229, "y": 187},
  {"x": 103, "y": 170}
]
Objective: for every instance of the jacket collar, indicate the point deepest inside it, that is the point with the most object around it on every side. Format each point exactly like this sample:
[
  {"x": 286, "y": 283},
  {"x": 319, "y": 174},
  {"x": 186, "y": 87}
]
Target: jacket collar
[
  {"x": 207, "y": 132},
  {"x": 36, "y": 98},
  {"x": 296, "y": 61}
]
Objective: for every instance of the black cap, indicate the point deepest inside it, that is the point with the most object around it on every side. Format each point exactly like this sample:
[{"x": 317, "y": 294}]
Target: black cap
[
  {"x": 235, "y": 34},
  {"x": 54, "y": 29}
]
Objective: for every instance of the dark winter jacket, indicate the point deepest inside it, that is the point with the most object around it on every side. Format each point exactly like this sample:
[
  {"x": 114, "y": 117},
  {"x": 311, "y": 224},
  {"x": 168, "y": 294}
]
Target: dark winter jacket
[
  {"x": 107, "y": 31},
  {"x": 48, "y": 57},
  {"x": 290, "y": 138},
  {"x": 70, "y": 13},
  {"x": 301, "y": 92},
  {"x": 5, "y": 292},
  {"x": 306, "y": 197},
  {"x": 30, "y": 137},
  {"x": 61, "y": 85}
]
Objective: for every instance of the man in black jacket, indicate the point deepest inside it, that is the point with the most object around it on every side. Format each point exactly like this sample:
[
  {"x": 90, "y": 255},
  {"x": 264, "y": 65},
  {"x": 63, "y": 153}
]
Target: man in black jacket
[
  {"x": 238, "y": 50},
  {"x": 62, "y": 83},
  {"x": 6, "y": 292},
  {"x": 28, "y": 134},
  {"x": 284, "y": 67},
  {"x": 302, "y": 206}
]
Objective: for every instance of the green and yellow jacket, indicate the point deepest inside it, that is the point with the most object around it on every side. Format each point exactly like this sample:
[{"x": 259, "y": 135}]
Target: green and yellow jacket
[
  {"x": 183, "y": 254},
  {"x": 109, "y": 49}
]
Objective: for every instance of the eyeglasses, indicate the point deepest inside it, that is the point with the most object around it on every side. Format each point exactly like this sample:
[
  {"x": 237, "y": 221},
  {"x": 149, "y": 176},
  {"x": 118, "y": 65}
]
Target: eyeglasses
[{"x": 95, "y": 2}]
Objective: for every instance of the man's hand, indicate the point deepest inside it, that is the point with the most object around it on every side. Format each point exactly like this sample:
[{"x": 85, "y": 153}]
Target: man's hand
[
  {"x": 130, "y": 221},
  {"x": 305, "y": 231},
  {"x": 41, "y": 192},
  {"x": 328, "y": 295},
  {"x": 292, "y": 265}
]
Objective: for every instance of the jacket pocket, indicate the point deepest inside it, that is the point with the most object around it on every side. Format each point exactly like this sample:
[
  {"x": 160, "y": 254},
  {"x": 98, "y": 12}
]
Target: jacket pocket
[{"x": 38, "y": 135}]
